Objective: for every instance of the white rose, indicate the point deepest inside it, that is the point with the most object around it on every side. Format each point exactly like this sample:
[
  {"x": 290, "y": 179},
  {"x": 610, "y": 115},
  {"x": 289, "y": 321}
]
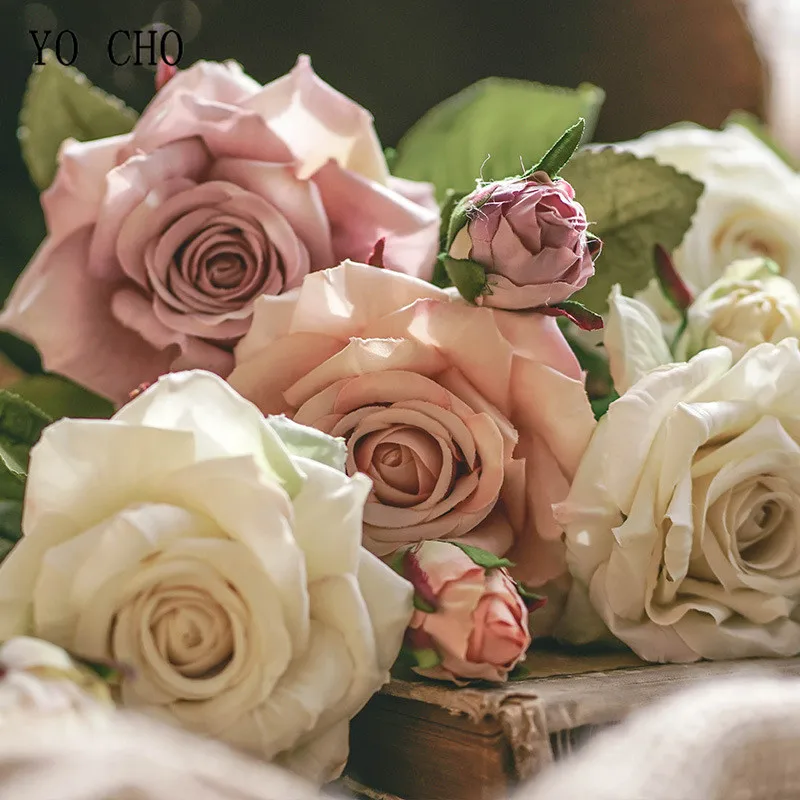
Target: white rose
[
  {"x": 40, "y": 680},
  {"x": 683, "y": 519},
  {"x": 750, "y": 206},
  {"x": 633, "y": 340},
  {"x": 750, "y": 304},
  {"x": 185, "y": 539}
]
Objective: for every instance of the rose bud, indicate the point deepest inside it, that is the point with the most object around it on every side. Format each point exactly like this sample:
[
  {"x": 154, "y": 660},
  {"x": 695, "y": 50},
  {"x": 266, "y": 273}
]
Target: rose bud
[
  {"x": 470, "y": 620},
  {"x": 530, "y": 235},
  {"x": 750, "y": 304}
]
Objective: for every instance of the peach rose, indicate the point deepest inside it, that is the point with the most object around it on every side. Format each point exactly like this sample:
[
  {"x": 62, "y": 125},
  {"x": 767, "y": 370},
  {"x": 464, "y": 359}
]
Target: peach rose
[
  {"x": 160, "y": 241},
  {"x": 474, "y": 625},
  {"x": 469, "y": 421}
]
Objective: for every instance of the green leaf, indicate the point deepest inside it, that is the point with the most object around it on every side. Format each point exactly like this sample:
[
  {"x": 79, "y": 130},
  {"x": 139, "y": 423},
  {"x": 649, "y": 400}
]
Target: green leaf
[
  {"x": 562, "y": 151},
  {"x": 600, "y": 404},
  {"x": 467, "y": 276},
  {"x": 390, "y": 154},
  {"x": 592, "y": 361},
  {"x": 633, "y": 204},
  {"x": 59, "y": 397},
  {"x": 758, "y": 129},
  {"x": 60, "y": 103},
  {"x": 6, "y": 546},
  {"x": 483, "y": 558},
  {"x": 492, "y": 129},
  {"x": 422, "y": 605},
  {"x": 21, "y": 425},
  {"x": 519, "y": 673},
  {"x": 310, "y": 443},
  {"x": 426, "y": 659},
  {"x": 10, "y": 520}
]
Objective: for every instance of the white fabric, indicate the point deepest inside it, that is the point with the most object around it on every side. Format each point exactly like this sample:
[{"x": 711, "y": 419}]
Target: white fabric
[{"x": 733, "y": 740}]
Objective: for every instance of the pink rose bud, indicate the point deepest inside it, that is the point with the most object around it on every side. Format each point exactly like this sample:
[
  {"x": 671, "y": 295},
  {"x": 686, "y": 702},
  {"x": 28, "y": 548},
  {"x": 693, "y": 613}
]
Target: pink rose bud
[
  {"x": 470, "y": 620},
  {"x": 530, "y": 235}
]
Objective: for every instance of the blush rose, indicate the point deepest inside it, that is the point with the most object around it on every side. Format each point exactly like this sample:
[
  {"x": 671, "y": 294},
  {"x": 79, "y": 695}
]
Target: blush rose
[
  {"x": 470, "y": 421},
  {"x": 476, "y": 623},
  {"x": 159, "y": 241}
]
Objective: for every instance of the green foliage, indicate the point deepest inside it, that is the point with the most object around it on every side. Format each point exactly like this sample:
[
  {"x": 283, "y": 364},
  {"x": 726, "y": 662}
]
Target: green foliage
[
  {"x": 633, "y": 204},
  {"x": 60, "y": 103},
  {"x": 59, "y": 397},
  {"x": 492, "y": 129}
]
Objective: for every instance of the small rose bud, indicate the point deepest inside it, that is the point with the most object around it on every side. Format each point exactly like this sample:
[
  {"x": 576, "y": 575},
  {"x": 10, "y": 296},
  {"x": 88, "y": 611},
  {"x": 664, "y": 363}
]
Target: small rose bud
[
  {"x": 531, "y": 237},
  {"x": 750, "y": 304},
  {"x": 470, "y": 620}
]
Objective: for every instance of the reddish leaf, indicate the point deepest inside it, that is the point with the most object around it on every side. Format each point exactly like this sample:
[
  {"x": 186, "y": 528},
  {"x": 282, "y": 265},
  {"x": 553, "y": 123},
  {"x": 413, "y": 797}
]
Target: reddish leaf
[
  {"x": 671, "y": 283},
  {"x": 164, "y": 73},
  {"x": 376, "y": 256},
  {"x": 418, "y": 578},
  {"x": 585, "y": 319}
]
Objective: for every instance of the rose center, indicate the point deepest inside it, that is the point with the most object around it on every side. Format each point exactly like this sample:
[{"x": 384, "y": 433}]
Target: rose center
[
  {"x": 191, "y": 632},
  {"x": 226, "y": 270}
]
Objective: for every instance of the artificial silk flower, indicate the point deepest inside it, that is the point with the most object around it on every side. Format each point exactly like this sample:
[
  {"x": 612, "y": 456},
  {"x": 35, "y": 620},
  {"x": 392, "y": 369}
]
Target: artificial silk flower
[
  {"x": 530, "y": 234},
  {"x": 40, "y": 680},
  {"x": 633, "y": 340},
  {"x": 681, "y": 524},
  {"x": 469, "y": 421},
  {"x": 205, "y": 548},
  {"x": 751, "y": 303},
  {"x": 160, "y": 241},
  {"x": 470, "y": 621}
]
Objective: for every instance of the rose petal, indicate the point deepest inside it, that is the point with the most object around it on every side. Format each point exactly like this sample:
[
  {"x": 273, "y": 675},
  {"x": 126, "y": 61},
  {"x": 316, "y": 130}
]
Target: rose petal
[{"x": 57, "y": 280}]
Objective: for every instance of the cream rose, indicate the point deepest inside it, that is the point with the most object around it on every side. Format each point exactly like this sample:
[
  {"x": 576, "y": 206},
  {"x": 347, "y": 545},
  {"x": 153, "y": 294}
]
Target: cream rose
[
  {"x": 470, "y": 421},
  {"x": 750, "y": 205},
  {"x": 185, "y": 539},
  {"x": 750, "y": 304},
  {"x": 682, "y": 522}
]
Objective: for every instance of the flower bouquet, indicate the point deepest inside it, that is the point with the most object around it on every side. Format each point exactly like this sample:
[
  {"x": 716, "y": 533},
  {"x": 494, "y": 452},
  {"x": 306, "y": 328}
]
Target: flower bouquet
[{"x": 313, "y": 411}]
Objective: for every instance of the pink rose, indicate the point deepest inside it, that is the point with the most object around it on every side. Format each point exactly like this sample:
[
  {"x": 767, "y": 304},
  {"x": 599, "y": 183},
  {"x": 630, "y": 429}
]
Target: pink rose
[
  {"x": 469, "y": 421},
  {"x": 475, "y": 623},
  {"x": 161, "y": 240},
  {"x": 531, "y": 237}
]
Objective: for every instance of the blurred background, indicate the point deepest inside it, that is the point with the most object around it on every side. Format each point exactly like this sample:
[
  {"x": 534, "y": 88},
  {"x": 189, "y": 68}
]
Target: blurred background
[{"x": 659, "y": 61}]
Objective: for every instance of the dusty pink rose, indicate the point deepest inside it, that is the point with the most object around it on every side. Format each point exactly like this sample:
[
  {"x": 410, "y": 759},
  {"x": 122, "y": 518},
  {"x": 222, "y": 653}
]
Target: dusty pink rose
[
  {"x": 531, "y": 237},
  {"x": 469, "y": 421},
  {"x": 160, "y": 241},
  {"x": 475, "y": 623}
]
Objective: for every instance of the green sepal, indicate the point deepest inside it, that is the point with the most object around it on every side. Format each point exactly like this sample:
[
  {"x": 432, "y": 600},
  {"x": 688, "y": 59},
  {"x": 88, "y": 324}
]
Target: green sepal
[
  {"x": 467, "y": 276},
  {"x": 462, "y": 212},
  {"x": 483, "y": 558},
  {"x": 451, "y": 199},
  {"x": 576, "y": 313},
  {"x": 554, "y": 160}
]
